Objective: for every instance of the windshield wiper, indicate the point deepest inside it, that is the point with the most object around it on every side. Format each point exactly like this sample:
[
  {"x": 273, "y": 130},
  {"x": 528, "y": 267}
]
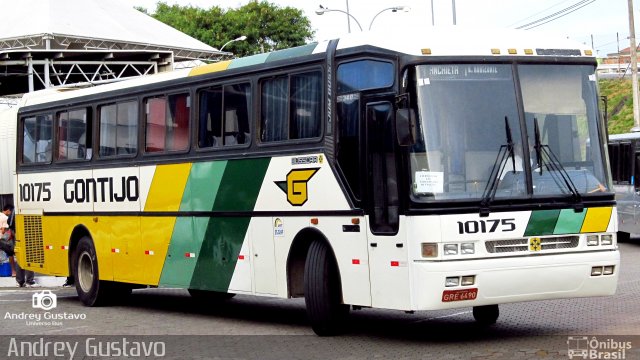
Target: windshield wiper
[
  {"x": 555, "y": 168},
  {"x": 506, "y": 151}
]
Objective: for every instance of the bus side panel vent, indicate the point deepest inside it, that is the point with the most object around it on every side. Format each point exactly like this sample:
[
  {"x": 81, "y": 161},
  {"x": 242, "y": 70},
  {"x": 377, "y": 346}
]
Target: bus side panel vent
[{"x": 34, "y": 246}]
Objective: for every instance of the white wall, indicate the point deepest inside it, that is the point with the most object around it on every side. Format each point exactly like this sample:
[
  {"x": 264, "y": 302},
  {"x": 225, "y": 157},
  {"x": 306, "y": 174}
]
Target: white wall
[{"x": 8, "y": 124}]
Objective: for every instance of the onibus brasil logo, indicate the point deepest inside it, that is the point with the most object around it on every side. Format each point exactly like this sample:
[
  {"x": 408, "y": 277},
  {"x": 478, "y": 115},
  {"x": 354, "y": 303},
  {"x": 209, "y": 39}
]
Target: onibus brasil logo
[{"x": 585, "y": 347}]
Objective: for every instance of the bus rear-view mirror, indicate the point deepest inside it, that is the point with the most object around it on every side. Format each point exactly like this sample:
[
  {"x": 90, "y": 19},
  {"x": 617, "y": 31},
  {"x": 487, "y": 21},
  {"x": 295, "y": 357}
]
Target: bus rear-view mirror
[{"x": 406, "y": 127}]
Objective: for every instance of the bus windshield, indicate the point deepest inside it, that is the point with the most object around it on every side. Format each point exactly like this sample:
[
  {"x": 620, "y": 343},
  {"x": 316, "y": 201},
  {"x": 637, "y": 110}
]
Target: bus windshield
[{"x": 470, "y": 127}]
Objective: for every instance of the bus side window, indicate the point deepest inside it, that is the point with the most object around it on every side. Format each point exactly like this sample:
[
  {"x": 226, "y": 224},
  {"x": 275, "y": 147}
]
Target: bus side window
[
  {"x": 291, "y": 107},
  {"x": 118, "y": 129},
  {"x": 167, "y": 120},
  {"x": 156, "y": 129},
  {"x": 36, "y": 145},
  {"x": 37, "y": 140},
  {"x": 236, "y": 114},
  {"x": 305, "y": 104},
  {"x": 275, "y": 93},
  {"x": 177, "y": 122},
  {"x": 74, "y": 135},
  {"x": 210, "y": 118}
]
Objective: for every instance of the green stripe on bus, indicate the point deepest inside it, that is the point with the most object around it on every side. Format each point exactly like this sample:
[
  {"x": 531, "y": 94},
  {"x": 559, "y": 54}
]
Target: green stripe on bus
[
  {"x": 217, "y": 258},
  {"x": 188, "y": 234},
  {"x": 241, "y": 184},
  {"x": 292, "y": 52},
  {"x": 542, "y": 222},
  {"x": 204, "y": 180},
  {"x": 248, "y": 61},
  {"x": 224, "y": 236},
  {"x": 178, "y": 269},
  {"x": 569, "y": 222}
]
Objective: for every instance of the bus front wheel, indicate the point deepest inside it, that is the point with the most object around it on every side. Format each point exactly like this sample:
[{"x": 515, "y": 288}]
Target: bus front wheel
[
  {"x": 91, "y": 291},
  {"x": 322, "y": 291},
  {"x": 486, "y": 315}
]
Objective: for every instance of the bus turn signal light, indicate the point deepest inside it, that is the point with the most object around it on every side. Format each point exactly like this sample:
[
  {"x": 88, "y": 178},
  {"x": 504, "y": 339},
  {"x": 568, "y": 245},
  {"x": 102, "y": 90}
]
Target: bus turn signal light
[{"x": 429, "y": 250}]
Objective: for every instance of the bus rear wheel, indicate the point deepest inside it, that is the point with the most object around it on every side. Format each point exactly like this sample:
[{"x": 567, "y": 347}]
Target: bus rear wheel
[
  {"x": 322, "y": 291},
  {"x": 91, "y": 291},
  {"x": 486, "y": 315}
]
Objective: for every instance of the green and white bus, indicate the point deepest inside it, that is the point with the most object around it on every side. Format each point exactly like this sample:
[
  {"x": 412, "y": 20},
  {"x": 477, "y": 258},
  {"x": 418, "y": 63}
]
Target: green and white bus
[{"x": 452, "y": 169}]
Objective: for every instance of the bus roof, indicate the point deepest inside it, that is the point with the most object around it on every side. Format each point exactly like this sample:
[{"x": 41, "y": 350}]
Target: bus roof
[
  {"x": 431, "y": 42},
  {"x": 469, "y": 41}
]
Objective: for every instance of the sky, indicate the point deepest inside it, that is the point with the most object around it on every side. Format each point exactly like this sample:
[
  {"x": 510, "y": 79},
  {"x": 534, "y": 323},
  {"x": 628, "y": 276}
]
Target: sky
[{"x": 601, "y": 24}]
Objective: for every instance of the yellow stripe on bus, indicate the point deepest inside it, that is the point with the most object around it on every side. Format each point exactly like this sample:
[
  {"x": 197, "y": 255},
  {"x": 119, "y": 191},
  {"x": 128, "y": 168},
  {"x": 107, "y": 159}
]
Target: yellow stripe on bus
[
  {"x": 596, "y": 220},
  {"x": 205, "y": 69},
  {"x": 167, "y": 187}
]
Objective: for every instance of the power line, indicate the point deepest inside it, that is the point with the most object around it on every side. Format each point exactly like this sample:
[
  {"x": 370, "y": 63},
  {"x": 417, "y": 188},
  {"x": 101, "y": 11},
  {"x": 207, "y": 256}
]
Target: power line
[
  {"x": 538, "y": 13},
  {"x": 607, "y": 44},
  {"x": 569, "y": 9},
  {"x": 557, "y": 15}
]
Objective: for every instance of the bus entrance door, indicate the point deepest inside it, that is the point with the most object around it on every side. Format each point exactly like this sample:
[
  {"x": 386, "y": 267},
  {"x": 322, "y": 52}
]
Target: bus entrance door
[{"x": 387, "y": 248}]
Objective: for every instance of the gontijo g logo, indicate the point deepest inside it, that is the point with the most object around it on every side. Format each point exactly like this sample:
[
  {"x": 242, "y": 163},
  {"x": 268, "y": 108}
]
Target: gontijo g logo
[{"x": 296, "y": 185}]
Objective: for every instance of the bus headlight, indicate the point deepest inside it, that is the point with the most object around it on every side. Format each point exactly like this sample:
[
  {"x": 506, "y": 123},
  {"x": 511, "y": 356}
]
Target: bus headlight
[
  {"x": 452, "y": 281},
  {"x": 592, "y": 240},
  {"x": 451, "y": 249},
  {"x": 468, "y": 280},
  {"x": 606, "y": 239},
  {"x": 467, "y": 248}
]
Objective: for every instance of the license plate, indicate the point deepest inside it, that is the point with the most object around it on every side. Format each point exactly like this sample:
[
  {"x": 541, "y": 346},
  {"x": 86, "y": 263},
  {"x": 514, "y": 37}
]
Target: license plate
[{"x": 459, "y": 295}]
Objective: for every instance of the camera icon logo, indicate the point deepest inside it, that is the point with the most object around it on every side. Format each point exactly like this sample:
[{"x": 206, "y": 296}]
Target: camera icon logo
[{"x": 45, "y": 300}]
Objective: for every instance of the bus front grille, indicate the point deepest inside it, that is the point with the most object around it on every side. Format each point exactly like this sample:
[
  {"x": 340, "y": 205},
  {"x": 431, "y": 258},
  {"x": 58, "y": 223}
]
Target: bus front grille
[
  {"x": 522, "y": 245},
  {"x": 560, "y": 242},
  {"x": 34, "y": 246}
]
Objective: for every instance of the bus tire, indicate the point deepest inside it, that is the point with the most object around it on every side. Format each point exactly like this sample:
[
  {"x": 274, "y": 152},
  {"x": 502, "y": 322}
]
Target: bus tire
[
  {"x": 91, "y": 291},
  {"x": 486, "y": 314},
  {"x": 322, "y": 291},
  {"x": 209, "y": 296}
]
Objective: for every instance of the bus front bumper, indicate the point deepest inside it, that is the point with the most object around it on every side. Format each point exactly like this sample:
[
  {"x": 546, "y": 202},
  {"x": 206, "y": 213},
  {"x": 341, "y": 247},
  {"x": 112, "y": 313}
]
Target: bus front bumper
[{"x": 513, "y": 279}]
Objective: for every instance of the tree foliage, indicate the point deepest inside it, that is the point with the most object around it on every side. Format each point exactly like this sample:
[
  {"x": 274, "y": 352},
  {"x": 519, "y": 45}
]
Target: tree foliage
[
  {"x": 619, "y": 94},
  {"x": 267, "y": 27}
]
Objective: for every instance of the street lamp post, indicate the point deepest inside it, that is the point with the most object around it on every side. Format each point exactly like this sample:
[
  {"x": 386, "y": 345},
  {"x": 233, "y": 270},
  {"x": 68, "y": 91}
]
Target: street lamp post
[
  {"x": 453, "y": 10},
  {"x": 321, "y": 10},
  {"x": 239, "y": 38},
  {"x": 393, "y": 9},
  {"x": 433, "y": 19},
  {"x": 349, "y": 19}
]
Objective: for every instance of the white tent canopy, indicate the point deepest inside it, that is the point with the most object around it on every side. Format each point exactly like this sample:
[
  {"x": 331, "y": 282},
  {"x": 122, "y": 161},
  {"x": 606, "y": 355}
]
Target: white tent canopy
[
  {"x": 77, "y": 20},
  {"x": 45, "y": 43}
]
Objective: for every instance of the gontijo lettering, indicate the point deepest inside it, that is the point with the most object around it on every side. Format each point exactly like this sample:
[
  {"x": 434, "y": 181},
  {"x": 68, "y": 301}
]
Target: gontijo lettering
[{"x": 103, "y": 189}]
